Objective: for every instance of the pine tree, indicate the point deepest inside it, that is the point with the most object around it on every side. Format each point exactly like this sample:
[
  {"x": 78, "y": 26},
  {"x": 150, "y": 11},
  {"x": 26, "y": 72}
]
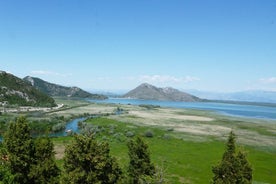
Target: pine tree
[
  {"x": 44, "y": 170},
  {"x": 234, "y": 167},
  {"x": 20, "y": 150},
  {"x": 140, "y": 165},
  {"x": 27, "y": 160},
  {"x": 245, "y": 168},
  {"x": 88, "y": 161},
  {"x": 5, "y": 174}
]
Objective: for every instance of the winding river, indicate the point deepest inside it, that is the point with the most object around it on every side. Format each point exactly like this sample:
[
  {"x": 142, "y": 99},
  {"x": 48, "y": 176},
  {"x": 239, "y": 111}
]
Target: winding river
[{"x": 71, "y": 126}]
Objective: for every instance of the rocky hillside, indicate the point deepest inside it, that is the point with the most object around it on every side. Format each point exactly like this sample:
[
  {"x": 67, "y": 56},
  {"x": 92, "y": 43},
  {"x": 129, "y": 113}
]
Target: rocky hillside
[
  {"x": 150, "y": 92},
  {"x": 15, "y": 91},
  {"x": 58, "y": 90}
]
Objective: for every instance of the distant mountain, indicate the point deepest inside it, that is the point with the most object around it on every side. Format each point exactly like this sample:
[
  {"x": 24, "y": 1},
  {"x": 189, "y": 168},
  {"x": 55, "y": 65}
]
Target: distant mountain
[
  {"x": 110, "y": 93},
  {"x": 248, "y": 96},
  {"x": 150, "y": 92},
  {"x": 14, "y": 90},
  {"x": 58, "y": 90}
]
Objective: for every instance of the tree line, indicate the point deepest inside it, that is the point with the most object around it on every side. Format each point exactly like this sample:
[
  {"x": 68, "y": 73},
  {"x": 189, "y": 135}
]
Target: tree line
[{"x": 28, "y": 160}]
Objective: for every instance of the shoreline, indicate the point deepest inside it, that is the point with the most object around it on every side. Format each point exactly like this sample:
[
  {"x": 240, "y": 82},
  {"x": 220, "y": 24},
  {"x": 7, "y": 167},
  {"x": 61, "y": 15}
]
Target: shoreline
[{"x": 230, "y": 109}]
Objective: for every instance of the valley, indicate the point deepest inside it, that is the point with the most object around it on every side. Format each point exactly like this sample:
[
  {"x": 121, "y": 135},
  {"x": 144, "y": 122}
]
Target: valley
[
  {"x": 176, "y": 129},
  {"x": 178, "y": 135},
  {"x": 137, "y": 92},
  {"x": 185, "y": 143}
]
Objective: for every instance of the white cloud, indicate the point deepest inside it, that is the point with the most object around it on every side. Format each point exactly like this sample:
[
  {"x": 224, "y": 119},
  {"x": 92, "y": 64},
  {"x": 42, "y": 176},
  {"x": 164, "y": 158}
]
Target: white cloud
[
  {"x": 271, "y": 80},
  {"x": 49, "y": 73},
  {"x": 167, "y": 79}
]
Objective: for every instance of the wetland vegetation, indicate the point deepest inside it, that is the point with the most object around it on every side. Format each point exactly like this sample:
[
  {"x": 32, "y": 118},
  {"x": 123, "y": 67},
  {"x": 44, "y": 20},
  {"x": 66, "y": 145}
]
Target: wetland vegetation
[{"x": 183, "y": 144}]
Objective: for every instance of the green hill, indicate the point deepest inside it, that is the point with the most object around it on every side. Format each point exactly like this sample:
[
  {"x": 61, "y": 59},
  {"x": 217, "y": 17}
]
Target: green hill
[
  {"x": 15, "y": 91},
  {"x": 58, "y": 90}
]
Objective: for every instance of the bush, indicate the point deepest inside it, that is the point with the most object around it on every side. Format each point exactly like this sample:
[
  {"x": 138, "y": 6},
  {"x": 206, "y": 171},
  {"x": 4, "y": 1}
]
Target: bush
[
  {"x": 148, "y": 133},
  {"x": 58, "y": 127},
  {"x": 130, "y": 134},
  {"x": 119, "y": 137}
]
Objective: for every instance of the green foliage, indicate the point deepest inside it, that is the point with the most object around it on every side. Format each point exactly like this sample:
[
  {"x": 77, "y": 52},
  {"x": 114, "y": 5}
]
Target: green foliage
[
  {"x": 28, "y": 160},
  {"x": 20, "y": 149},
  {"x": 148, "y": 106},
  {"x": 57, "y": 90},
  {"x": 16, "y": 91},
  {"x": 245, "y": 168},
  {"x": 168, "y": 153},
  {"x": 140, "y": 166},
  {"x": 234, "y": 167},
  {"x": 58, "y": 127},
  {"x": 88, "y": 161},
  {"x": 5, "y": 174},
  {"x": 44, "y": 170},
  {"x": 130, "y": 134},
  {"x": 148, "y": 133}
]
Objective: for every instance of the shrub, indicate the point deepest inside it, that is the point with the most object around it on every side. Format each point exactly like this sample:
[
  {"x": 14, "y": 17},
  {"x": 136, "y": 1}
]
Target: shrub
[
  {"x": 148, "y": 133},
  {"x": 119, "y": 137},
  {"x": 58, "y": 127},
  {"x": 130, "y": 134}
]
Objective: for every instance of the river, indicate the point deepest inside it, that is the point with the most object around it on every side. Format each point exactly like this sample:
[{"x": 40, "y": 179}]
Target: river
[
  {"x": 239, "y": 110},
  {"x": 71, "y": 126}
]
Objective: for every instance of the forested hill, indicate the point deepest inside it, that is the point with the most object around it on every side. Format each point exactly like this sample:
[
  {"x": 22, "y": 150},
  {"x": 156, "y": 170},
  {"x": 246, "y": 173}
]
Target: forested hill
[
  {"x": 150, "y": 92},
  {"x": 58, "y": 90},
  {"x": 15, "y": 91}
]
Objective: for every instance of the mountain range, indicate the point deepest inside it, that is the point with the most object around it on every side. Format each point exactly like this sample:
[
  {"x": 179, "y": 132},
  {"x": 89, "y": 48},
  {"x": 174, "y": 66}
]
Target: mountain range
[
  {"x": 33, "y": 91},
  {"x": 58, "y": 90},
  {"x": 246, "y": 96},
  {"x": 15, "y": 91},
  {"x": 149, "y": 92}
]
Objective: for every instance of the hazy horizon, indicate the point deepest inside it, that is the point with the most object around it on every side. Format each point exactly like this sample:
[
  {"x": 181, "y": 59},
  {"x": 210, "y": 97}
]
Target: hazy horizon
[{"x": 222, "y": 46}]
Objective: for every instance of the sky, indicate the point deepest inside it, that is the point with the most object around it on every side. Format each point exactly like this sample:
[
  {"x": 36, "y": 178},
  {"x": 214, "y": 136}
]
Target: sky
[{"x": 111, "y": 45}]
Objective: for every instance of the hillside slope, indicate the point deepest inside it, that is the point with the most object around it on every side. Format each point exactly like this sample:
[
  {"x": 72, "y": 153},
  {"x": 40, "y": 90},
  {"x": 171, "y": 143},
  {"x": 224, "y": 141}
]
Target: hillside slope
[
  {"x": 150, "y": 92},
  {"x": 58, "y": 90},
  {"x": 14, "y": 90}
]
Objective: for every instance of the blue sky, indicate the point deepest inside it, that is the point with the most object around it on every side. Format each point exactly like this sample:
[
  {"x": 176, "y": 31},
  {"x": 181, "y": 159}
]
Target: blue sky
[{"x": 214, "y": 45}]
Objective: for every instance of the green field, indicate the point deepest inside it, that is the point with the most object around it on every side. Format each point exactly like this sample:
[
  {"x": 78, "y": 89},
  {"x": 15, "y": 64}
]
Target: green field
[{"x": 182, "y": 160}]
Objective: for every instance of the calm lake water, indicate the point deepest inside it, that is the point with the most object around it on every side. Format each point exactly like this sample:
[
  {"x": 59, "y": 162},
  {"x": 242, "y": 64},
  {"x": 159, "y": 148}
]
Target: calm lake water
[{"x": 251, "y": 111}]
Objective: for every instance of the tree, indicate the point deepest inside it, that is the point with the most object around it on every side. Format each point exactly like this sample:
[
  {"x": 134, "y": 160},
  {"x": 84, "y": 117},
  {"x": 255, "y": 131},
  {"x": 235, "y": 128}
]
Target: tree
[
  {"x": 140, "y": 165},
  {"x": 5, "y": 174},
  {"x": 26, "y": 160},
  {"x": 88, "y": 161},
  {"x": 20, "y": 150},
  {"x": 245, "y": 168},
  {"x": 234, "y": 167},
  {"x": 44, "y": 170}
]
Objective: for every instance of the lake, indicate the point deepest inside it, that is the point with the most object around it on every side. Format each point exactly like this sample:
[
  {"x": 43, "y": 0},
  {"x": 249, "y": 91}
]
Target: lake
[{"x": 249, "y": 111}]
